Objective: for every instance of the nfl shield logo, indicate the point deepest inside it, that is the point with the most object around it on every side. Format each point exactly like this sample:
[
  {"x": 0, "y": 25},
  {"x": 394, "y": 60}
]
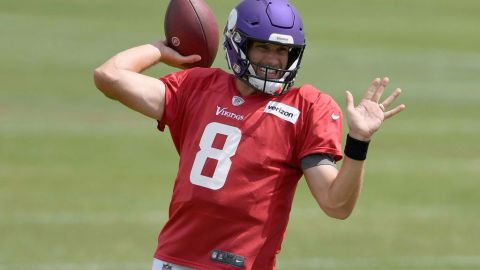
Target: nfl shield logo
[
  {"x": 237, "y": 101},
  {"x": 166, "y": 266}
]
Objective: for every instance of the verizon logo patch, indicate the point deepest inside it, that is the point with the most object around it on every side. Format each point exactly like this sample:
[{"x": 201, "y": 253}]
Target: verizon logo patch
[{"x": 283, "y": 111}]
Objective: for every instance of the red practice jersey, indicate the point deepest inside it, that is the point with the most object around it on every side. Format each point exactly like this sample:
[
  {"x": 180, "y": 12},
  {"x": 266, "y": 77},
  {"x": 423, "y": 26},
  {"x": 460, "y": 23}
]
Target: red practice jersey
[{"x": 239, "y": 167}]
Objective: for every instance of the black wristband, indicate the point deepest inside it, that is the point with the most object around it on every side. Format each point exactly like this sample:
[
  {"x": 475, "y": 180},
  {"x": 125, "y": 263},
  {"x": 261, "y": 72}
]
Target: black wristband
[{"x": 356, "y": 149}]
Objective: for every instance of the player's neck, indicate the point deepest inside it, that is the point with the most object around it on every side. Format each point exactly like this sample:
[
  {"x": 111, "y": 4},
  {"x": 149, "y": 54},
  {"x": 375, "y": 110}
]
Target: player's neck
[{"x": 244, "y": 89}]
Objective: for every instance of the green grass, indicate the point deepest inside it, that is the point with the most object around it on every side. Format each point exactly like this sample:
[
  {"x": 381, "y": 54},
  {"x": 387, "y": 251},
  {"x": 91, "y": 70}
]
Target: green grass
[{"x": 85, "y": 183}]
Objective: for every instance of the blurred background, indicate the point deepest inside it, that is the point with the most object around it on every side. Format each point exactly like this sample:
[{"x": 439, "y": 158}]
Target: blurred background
[{"x": 85, "y": 183}]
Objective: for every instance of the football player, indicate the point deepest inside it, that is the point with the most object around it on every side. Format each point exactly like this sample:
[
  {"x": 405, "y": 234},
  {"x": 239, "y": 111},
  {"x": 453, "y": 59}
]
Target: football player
[{"x": 245, "y": 139}]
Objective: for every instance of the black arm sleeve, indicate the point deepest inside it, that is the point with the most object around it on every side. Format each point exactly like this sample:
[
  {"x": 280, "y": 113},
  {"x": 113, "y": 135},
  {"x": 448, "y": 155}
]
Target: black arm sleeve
[{"x": 317, "y": 160}]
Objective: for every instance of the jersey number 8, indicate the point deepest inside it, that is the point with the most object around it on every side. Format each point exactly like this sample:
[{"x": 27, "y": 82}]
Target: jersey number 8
[{"x": 223, "y": 156}]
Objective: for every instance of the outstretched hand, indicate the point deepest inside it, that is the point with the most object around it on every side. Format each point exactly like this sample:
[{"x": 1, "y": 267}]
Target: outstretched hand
[{"x": 366, "y": 118}]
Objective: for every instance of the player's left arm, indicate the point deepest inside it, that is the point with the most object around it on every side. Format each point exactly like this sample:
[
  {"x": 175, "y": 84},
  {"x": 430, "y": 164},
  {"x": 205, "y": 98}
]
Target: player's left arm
[{"x": 337, "y": 191}]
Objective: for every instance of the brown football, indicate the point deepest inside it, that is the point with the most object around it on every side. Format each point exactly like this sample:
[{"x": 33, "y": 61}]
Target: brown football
[{"x": 191, "y": 28}]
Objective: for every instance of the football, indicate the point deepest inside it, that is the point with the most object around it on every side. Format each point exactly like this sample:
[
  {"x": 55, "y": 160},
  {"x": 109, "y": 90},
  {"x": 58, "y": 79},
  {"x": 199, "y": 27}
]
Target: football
[{"x": 191, "y": 28}]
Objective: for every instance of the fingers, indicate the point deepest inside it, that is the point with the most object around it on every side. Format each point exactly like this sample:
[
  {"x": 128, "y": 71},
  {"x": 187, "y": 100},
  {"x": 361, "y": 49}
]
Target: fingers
[
  {"x": 372, "y": 89},
  {"x": 349, "y": 99},
  {"x": 380, "y": 89},
  {"x": 376, "y": 89},
  {"x": 392, "y": 97},
  {"x": 389, "y": 101},
  {"x": 374, "y": 93},
  {"x": 172, "y": 57},
  {"x": 395, "y": 111},
  {"x": 192, "y": 58}
]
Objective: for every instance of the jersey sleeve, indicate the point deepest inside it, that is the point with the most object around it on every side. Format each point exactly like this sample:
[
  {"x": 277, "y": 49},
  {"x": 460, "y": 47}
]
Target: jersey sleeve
[
  {"x": 322, "y": 129},
  {"x": 175, "y": 83}
]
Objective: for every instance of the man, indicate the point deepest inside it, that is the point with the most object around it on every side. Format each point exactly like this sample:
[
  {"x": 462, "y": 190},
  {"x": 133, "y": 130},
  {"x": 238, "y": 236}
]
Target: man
[{"x": 245, "y": 139}]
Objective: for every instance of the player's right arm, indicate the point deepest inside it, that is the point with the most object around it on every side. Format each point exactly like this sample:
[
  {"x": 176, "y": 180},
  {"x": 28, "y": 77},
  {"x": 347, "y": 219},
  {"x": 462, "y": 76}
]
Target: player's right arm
[{"x": 120, "y": 77}]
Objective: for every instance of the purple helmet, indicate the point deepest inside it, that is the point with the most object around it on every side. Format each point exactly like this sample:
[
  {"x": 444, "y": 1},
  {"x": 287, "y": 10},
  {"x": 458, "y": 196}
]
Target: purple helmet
[{"x": 269, "y": 21}]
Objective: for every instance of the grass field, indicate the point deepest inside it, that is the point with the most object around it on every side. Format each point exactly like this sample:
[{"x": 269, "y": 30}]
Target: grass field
[{"x": 85, "y": 183}]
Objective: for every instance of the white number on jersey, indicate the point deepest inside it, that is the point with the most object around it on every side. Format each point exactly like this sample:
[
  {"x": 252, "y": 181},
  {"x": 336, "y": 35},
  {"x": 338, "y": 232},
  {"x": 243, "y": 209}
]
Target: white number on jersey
[{"x": 221, "y": 155}]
